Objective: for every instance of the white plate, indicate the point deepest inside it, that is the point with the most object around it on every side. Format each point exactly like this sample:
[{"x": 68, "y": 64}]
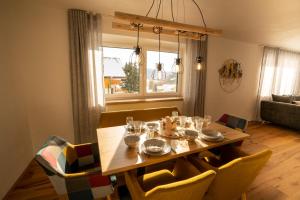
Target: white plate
[
  {"x": 166, "y": 149},
  {"x": 212, "y": 139},
  {"x": 210, "y": 133}
]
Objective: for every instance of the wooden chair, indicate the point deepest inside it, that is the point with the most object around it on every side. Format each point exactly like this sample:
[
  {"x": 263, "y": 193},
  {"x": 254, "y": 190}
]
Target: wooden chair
[
  {"x": 117, "y": 118},
  {"x": 185, "y": 182},
  {"x": 233, "y": 176}
]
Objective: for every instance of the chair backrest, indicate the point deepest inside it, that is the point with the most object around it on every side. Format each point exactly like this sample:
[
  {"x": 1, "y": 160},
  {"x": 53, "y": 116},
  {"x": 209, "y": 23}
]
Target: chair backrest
[
  {"x": 117, "y": 118},
  {"x": 188, "y": 189},
  {"x": 57, "y": 156},
  {"x": 233, "y": 178},
  {"x": 233, "y": 122}
]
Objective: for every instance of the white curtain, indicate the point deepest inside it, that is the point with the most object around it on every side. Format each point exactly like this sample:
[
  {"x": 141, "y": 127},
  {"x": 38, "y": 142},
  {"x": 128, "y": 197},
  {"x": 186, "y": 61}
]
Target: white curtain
[
  {"x": 86, "y": 73},
  {"x": 280, "y": 74}
]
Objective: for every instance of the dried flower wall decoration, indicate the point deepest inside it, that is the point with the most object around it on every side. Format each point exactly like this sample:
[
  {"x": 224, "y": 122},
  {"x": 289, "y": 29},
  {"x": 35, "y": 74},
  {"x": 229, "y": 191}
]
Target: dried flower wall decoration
[{"x": 230, "y": 75}]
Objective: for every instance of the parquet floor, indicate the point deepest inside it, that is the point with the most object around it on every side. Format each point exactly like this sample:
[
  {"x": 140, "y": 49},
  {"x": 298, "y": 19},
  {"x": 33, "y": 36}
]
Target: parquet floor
[{"x": 279, "y": 180}]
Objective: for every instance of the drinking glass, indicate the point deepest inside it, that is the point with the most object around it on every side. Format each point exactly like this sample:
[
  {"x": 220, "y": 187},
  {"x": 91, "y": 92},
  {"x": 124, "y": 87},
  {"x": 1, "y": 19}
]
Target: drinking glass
[
  {"x": 198, "y": 123},
  {"x": 137, "y": 127},
  {"x": 207, "y": 120},
  {"x": 174, "y": 114},
  {"x": 150, "y": 133},
  {"x": 129, "y": 122},
  {"x": 182, "y": 120}
]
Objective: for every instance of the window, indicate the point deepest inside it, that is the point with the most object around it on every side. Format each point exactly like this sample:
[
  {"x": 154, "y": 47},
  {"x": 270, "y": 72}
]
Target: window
[
  {"x": 120, "y": 76},
  {"x": 124, "y": 80}
]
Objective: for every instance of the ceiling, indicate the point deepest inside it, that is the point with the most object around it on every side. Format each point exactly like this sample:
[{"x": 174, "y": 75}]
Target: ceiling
[{"x": 263, "y": 22}]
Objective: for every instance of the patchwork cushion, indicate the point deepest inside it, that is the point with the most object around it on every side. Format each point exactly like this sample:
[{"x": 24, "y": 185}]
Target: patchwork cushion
[
  {"x": 232, "y": 122},
  {"x": 282, "y": 98},
  {"x": 61, "y": 159},
  {"x": 224, "y": 119}
]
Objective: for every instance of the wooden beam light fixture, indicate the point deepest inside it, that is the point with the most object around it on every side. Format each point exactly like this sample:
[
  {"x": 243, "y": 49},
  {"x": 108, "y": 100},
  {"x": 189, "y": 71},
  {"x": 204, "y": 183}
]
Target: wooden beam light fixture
[{"x": 123, "y": 20}]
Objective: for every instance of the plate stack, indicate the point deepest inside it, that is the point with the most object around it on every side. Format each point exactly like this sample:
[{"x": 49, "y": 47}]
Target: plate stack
[
  {"x": 211, "y": 135},
  {"x": 155, "y": 147}
]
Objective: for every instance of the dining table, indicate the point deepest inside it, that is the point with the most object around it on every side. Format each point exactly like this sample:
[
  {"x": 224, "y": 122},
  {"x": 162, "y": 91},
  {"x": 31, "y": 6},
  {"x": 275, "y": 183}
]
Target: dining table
[{"x": 116, "y": 157}]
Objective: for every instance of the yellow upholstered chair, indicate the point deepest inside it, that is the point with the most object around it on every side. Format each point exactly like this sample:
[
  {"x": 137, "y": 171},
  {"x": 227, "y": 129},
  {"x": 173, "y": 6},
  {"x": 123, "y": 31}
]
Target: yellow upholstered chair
[
  {"x": 185, "y": 182},
  {"x": 234, "y": 177},
  {"x": 117, "y": 118}
]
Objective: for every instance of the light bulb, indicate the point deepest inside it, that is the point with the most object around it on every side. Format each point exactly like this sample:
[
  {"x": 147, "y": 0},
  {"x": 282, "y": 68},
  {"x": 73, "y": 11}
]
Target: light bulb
[
  {"x": 199, "y": 63},
  {"x": 177, "y": 68},
  {"x": 199, "y": 66},
  {"x": 137, "y": 59},
  {"x": 159, "y": 75}
]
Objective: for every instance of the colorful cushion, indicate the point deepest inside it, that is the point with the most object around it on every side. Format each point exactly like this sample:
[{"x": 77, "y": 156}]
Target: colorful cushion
[
  {"x": 233, "y": 122},
  {"x": 61, "y": 160}
]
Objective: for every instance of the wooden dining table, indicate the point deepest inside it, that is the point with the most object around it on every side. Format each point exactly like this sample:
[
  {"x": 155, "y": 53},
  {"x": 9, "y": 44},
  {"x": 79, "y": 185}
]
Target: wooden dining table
[{"x": 117, "y": 157}]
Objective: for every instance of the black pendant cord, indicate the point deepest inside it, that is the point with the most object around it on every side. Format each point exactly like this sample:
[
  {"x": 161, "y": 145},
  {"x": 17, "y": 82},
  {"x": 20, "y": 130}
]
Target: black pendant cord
[
  {"x": 138, "y": 35},
  {"x": 202, "y": 16},
  {"x": 200, "y": 46},
  {"x": 158, "y": 9},
  {"x": 178, "y": 47},
  {"x": 172, "y": 10},
  {"x": 150, "y": 8},
  {"x": 159, "y": 47}
]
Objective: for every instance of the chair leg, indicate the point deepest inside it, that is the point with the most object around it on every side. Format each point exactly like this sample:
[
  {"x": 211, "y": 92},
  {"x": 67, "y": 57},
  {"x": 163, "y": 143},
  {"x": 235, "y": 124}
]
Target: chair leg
[
  {"x": 244, "y": 196},
  {"x": 63, "y": 197},
  {"x": 108, "y": 197}
]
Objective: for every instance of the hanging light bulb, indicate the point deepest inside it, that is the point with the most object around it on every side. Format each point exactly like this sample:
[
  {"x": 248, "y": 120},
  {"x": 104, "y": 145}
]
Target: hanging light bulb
[
  {"x": 158, "y": 73},
  {"x": 137, "y": 57},
  {"x": 199, "y": 59},
  {"x": 199, "y": 63},
  {"x": 177, "y": 65}
]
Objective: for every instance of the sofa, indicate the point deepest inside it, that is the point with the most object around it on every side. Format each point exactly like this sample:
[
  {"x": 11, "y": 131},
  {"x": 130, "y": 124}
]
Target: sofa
[{"x": 281, "y": 113}]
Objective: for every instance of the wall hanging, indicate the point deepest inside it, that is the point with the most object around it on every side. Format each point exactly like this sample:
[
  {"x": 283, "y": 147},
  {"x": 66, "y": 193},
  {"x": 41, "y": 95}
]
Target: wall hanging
[{"x": 230, "y": 75}]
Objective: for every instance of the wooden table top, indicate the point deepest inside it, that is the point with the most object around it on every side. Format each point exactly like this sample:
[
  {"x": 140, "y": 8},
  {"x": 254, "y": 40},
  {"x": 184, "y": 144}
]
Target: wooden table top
[{"x": 116, "y": 157}]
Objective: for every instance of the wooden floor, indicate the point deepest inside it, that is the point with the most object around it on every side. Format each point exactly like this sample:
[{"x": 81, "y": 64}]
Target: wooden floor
[{"x": 280, "y": 179}]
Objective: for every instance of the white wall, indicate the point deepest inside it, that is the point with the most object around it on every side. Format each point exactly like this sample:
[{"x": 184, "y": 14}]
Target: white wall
[
  {"x": 41, "y": 58},
  {"x": 15, "y": 142},
  {"x": 241, "y": 102}
]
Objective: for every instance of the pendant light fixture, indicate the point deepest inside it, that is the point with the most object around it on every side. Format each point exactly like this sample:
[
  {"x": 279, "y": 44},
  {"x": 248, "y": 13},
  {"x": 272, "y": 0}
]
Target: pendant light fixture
[
  {"x": 177, "y": 65},
  {"x": 137, "y": 56},
  {"x": 199, "y": 58},
  {"x": 158, "y": 73}
]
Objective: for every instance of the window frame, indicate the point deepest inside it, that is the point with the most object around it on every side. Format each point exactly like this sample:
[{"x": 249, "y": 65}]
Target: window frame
[{"x": 143, "y": 94}]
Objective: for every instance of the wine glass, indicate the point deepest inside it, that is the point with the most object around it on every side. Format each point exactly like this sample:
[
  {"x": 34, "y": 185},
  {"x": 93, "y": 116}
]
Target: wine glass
[
  {"x": 129, "y": 122},
  {"x": 198, "y": 123},
  {"x": 207, "y": 120}
]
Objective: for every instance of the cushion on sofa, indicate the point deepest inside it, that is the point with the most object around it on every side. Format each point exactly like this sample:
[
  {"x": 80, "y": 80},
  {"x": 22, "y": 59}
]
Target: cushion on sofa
[
  {"x": 296, "y": 98},
  {"x": 282, "y": 98}
]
